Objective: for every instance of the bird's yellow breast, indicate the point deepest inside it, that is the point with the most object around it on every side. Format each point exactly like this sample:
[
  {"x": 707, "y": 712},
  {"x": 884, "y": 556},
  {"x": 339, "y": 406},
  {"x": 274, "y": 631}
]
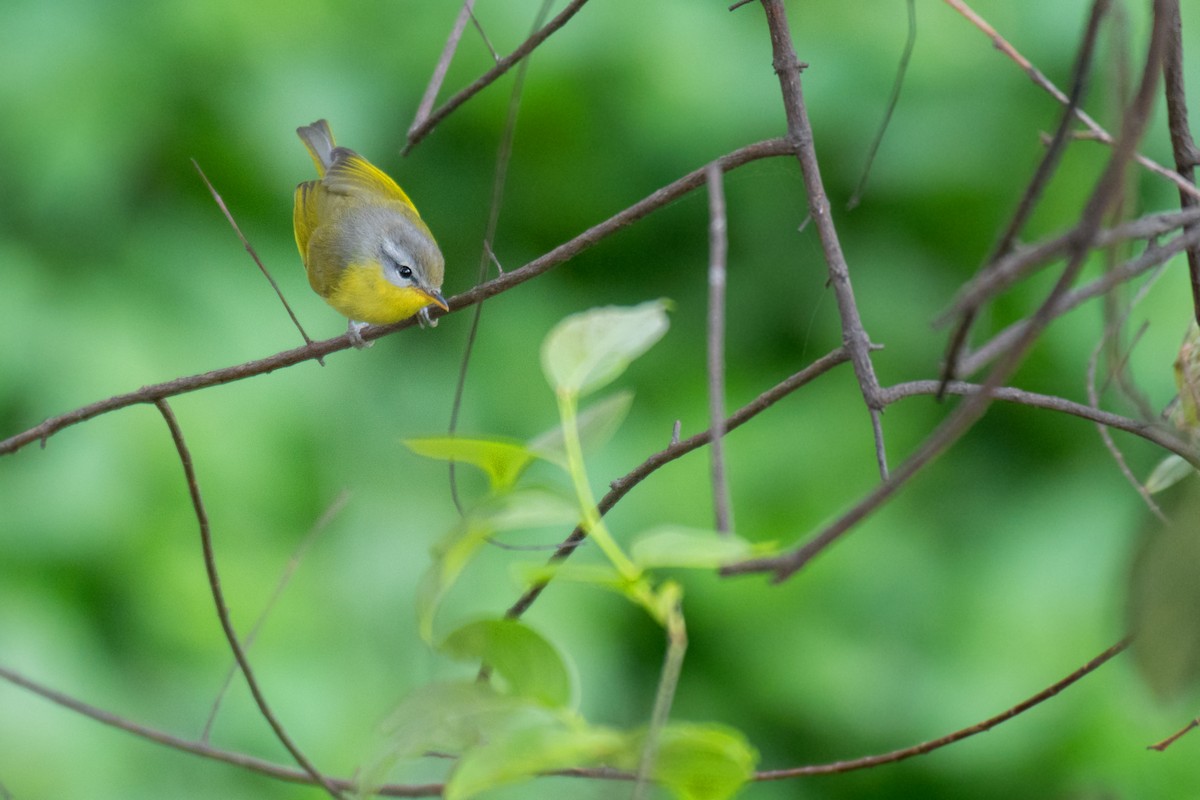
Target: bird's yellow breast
[{"x": 362, "y": 293}]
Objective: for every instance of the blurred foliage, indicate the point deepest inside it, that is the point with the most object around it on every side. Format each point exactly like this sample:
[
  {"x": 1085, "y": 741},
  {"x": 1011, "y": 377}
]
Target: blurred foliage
[{"x": 992, "y": 575}]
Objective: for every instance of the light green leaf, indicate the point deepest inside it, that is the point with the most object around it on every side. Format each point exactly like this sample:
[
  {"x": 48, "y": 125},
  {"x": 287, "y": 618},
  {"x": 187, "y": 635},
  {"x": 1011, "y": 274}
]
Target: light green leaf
[
  {"x": 502, "y": 461},
  {"x": 1164, "y": 603},
  {"x": 678, "y": 546},
  {"x": 698, "y": 762},
  {"x": 520, "y": 754},
  {"x": 531, "y": 666},
  {"x": 447, "y": 717},
  {"x": 590, "y": 349},
  {"x": 1170, "y": 471},
  {"x": 596, "y": 423}
]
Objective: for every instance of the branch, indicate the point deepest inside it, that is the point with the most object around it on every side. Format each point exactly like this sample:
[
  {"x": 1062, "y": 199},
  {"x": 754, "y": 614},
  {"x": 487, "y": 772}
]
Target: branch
[
  {"x": 936, "y": 744},
  {"x": 419, "y": 132},
  {"x": 718, "y": 246},
  {"x": 1045, "y": 84},
  {"x": 800, "y": 135},
  {"x": 1107, "y": 190},
  {"x": 564, "y": 252},
  {"x": 202, "y": 749},
  {"x": 1037, "y": 184},
  {"x": 442, "y": 66},
  {"x": 214, "y": 582},
  {"x": 1182, "y": 146}
]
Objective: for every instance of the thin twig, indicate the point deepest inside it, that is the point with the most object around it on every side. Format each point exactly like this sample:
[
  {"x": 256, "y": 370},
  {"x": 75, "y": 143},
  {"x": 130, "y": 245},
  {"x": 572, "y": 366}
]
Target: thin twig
[
  {"x": 1037, "y": 184},
  {"x": 419, "y": 132},
  {"x": 718, "y": 247},
  {"x": 800, "y": 134},
  {"x": 1022, "y": 261},
  {"x": 1174, "y": 737},
  {"x": 1155, "y": 433},
  {"x": 1045, "y": 84},
  {"x": 483, "y": 35},
  {"x": 957, "y": 736},
  {"x": 622, "y": 486},
  {"x": 1183, "y": 147},
  {"x": 910, "y": 44},
  {"x": 1153, "y": 257},
  {"x": 564, "y": 252},
  {"x": 284, "y": 579},
  {"x": 442, "y": 66},
  {"x": 503, "y": 159},
  {"x": 250, "y": 249},
  {"x": 214, "y": 582}
]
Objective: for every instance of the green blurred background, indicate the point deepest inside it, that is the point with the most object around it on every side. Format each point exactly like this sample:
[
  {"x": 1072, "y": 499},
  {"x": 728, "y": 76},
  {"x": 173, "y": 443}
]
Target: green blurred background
[{"x": 994, "y": 574}]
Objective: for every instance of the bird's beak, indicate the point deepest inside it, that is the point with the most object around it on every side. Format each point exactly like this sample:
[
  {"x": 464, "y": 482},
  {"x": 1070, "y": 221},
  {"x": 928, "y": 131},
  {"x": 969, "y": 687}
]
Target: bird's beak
[{"x": 437, "y": 299}]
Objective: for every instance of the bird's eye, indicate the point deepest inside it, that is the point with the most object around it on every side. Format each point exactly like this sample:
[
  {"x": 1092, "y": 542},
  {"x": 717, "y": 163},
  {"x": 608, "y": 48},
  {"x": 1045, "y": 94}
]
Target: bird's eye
[{"x": 405, "y": 272}]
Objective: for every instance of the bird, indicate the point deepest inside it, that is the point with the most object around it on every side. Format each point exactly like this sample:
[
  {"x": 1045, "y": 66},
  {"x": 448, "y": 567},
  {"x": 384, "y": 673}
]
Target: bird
[{"x": 365, "y": 248}]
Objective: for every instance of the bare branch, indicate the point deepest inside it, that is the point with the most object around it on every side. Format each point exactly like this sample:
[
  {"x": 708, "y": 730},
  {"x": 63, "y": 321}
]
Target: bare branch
[
  {"x": 718, "y": 246},
  {"x": 268, "y": 768},
  {"x": 214, "y": 582},
  {"x": 1045, "y": 84},
  {"x": 419, "y": 132},
  {"x": 800, "y": 134},
  {"x": 1183, "y": 147},
  {"x": 1037, "y": 184},
  {"x": 442, "y": 66},
  {"x": 957, "y": 736}
]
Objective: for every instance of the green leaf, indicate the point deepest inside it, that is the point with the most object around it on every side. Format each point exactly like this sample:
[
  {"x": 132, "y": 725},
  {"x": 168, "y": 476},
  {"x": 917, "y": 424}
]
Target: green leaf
[
  {"x": 678, "y": 546},
  {"x": 447, "y": 717},
  {"x": 590, "y": 349},
  {"x": 532, "y": 667},
  {"x": 1164, "y": 603},
  {"x": 1170, "y": 471},
  {"x": 597, "y": 423},
  {"x": 520, "y": 754},
  {"x": 502, "y": 461},
  {"x": 698, "y": 762}
]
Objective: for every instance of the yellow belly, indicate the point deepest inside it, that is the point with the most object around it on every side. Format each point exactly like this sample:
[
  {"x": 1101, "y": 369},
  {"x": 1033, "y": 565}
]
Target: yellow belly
[{"x": 364, "y": 295}]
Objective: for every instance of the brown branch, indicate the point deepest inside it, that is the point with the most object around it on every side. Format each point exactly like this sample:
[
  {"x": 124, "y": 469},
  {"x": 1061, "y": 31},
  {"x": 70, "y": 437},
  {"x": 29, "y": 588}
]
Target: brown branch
[
  {"x": 1046, "y": 85},
  {"x": 1182, "y": 145},
  {"x": 1152, "y": 257},
  {"x": 1174, "y": 737},
  {"x": 559, "y": 255},
  {"x": 718, "y": 247},
  {"x": 1160, "y": 435},
  {"x": 214, "y": 582},
  {"x": 622, "y": 486},
  {"x": 800, "y": 134},
  {"x": 1037, "y": 184},
  {"x": 419, "y": 132},
  {"x": 442, "y": 66},
  {"x": 250, "y": 249},
  {"x": 1023, "y": 261},
  {"x": 1107, "y": 190},
  {"x": 202, "y": 749},
  {"x": 957, "y": 736}
]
